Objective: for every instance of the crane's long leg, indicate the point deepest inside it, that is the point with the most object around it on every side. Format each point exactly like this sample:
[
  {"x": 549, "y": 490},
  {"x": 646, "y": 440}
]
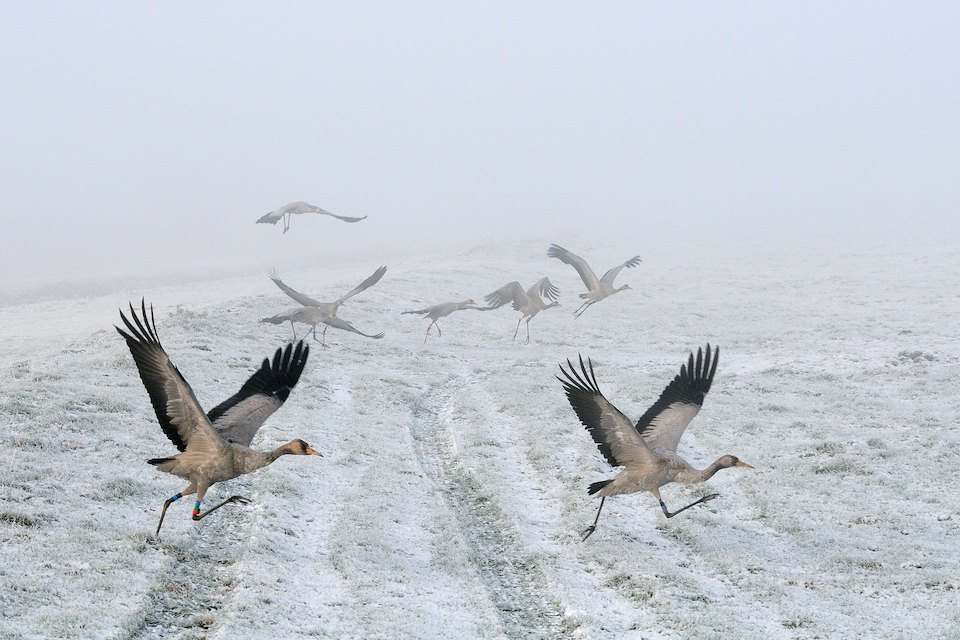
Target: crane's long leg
[
  {"x": 666, "y": 512},
  {"x": 190, "y": 489},
  {"x": 286, "y": 222},
  {"x": 518, "y": 328},
  {"x": 200, "y": 516},
  {"x": 578, "y": 312},
  {"x": 429, "y": 326},
  {"x": 528, "y": 329},
  {"x": 589, "y": 530},
  {"x": 294, "y": 329},
  {"x": 323, "y": 337}
]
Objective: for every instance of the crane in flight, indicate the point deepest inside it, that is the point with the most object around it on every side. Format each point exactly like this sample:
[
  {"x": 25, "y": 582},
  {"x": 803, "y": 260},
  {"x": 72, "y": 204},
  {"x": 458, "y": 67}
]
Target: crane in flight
[
  {"x": 648, "y": 451},
  {"x": 206, "y": 456},
  {"x": 314, "y": 312},
  {"x": 529, "y": 303},
  {"x": 597, "y": 288},
  {"x": 297, "y": 208}
]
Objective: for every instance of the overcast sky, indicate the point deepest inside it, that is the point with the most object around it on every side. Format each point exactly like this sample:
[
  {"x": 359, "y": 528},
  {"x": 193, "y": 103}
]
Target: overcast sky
[{"x": 138, "y": 136}]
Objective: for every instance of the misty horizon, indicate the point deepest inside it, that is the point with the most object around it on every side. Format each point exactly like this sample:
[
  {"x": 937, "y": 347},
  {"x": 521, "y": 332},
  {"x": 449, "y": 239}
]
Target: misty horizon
[{"x": 146, "y": 139}]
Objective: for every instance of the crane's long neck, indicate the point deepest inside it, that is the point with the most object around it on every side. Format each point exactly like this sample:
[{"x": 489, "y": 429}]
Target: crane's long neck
[
  {"x": 693, "y": 476},
  {"x": 258, "y": 459}
]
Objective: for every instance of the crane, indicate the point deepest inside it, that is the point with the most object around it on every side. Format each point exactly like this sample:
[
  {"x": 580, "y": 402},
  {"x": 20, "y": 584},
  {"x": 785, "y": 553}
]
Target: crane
[
  {"x": 314, "y": 312},
  {"x": 528, "y": 303},
  {"x": 296, "y": 208},
  {"x": 648, "y": 451},
  {"x": 441, "y": 310},
  {"x": 597, "y": 288},
  {"x": 205, "y": 457}
]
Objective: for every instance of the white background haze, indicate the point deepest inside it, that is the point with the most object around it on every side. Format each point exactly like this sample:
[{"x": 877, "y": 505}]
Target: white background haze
[{"x": 142, "y": 138}]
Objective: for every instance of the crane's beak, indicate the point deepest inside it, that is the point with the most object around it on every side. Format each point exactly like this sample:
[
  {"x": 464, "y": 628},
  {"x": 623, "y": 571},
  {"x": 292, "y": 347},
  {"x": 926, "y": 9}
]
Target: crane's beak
[
  {"x": 313, "y": 452},
  {"x": 741, "y": 463}
]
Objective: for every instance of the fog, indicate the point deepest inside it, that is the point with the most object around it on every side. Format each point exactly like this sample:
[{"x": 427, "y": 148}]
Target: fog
[{"x": 147, "y": 138}]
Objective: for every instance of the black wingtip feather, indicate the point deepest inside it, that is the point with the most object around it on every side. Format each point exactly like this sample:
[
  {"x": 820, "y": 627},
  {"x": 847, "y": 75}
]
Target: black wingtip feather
[
  {"x": 690, "y": 386},
  {"x": 274, "y": 378},
  {"x": 582, "y": 394},
  {"x": 595, "y": 487},
  {"x": 144, "y": 347}
]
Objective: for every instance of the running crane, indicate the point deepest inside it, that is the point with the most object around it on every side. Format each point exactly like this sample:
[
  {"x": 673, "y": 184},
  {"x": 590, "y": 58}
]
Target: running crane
[
  {"x": 314, "y": 312},
  {"x": 648, "y": 451},
  {"x": 528, "y": 303},
  {"x": 441, "y": 310},
  {"x": 206, "y": 455}
]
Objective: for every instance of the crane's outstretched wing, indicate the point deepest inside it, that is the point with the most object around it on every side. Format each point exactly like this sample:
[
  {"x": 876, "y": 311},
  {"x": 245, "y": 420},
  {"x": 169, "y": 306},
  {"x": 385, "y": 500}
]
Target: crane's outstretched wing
[
  {"x": 180, "y": 415},
  {"x": 238, "y": 418},
  {"x": 284, "y": 316},
  {"x": 366, "y": 284},
  {"x": 344, "y": 218},
  {"x": 303, "y": 299},
  {"x": 613, "y": 432},
  {"x": 611, "y": 275},
  {"x": 586, "y": 273},
  {"x": 546, "y": 289},
  {"x": 663, "y": 424},
  {"x": 510, "y": 292},
  {"x": 271, "y": 218},
  {"x": 340, "y": 323}
]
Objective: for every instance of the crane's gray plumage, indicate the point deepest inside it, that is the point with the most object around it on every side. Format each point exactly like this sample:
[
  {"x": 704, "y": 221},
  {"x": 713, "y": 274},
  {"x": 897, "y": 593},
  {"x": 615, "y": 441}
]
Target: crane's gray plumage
[
  {"x": 238, "y": 418},
  {"x": 327, "y": 307},
  {"x": 442, "y": 310},
  {"x": 314, "y": 316},
  {"x": 529, "y": 303},
  {"x": 205, "y": 457},
  {"x": 314, "y": 312},
  {"x": 647, "y": 450},
  {"x": 296, "y": 208},
  {"x": 597, "y": 288}
]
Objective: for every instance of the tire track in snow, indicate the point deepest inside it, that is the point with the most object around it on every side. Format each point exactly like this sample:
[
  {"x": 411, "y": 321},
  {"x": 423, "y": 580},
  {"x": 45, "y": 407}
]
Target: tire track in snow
[
  {"x": 516, "y": 583},
  {"x": 198, "y": 580}
]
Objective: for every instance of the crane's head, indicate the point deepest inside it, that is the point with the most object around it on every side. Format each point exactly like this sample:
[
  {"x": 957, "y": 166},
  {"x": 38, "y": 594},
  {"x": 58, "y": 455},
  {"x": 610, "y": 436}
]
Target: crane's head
[
  {"x": 300, "y": 448},
  {"x": 727, "y": 461}
]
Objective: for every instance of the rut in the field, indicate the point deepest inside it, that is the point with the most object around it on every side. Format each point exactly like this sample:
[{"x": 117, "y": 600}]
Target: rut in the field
[{"x": 514, "y": 578}]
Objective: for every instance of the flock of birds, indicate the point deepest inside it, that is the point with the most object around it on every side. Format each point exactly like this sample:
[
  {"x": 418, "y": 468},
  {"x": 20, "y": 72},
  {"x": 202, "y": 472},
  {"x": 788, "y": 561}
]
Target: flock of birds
[{"x": 215, "y": 446}]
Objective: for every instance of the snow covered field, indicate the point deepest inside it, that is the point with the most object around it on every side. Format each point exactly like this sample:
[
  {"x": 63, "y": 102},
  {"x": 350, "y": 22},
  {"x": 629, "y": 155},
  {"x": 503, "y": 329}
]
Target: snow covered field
[{"x": 453, "y": 489}]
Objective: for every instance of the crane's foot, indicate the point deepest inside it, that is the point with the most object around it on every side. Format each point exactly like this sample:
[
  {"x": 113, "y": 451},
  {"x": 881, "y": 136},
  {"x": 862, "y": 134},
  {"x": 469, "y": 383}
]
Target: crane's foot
[
  {"x": 588, "y": 532},
  {"x": 239, "y": 499}
]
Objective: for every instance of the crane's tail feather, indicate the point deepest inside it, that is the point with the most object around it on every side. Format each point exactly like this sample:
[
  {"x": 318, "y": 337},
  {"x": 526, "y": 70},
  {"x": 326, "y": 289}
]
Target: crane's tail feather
[{"x": 597, "y": 486}]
